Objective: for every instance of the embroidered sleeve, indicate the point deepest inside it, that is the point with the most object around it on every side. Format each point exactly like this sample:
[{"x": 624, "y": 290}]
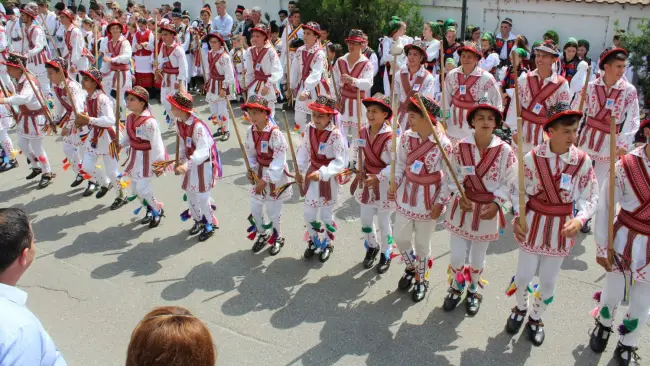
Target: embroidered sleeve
[
  {"x": 151, "y": 132},
  {"x": 38, "y": 41},
  {"x": 511, "y": 116},
  {"x": 303, "y": 155},
  {"x": 226, "y": 64},
  {"x": 202, "y": 140},
  {"x": 294, "y": 69},
  {"x": 402, "y": 151},
  {"x": 587, "y": 195},
  {"x": 336, "y": 78},
  {"x": 457, "y": 164},
  {"x": 77, "y": 46},
  {"x": 317, "y": 71},
  {"x": 276, "y": 67},
  {"x": 23, "y": 97},
  {"x": 375, "y": 64},
  {"x": 508, "y": 175},
  {"x": 631, "y": 123},
  {"x": 445, "y": 194},
  {"x": 182, "y": 64},
  {"x": 385, "y": 155},
  {"x": 340, "y": 151},
  {"x": 601, "y": 221},
  {"x": 125, "y": 54},
  {"x": 275, "y": 172},
  {"x": 492, "y": 89},
  {"x": 364, "y": 82},
  {"x": 449, "y": 89},
  {"x": 249, "y": 146},
  {"x": 105, "y": 115},
  {"x": 427, "y": 86}
]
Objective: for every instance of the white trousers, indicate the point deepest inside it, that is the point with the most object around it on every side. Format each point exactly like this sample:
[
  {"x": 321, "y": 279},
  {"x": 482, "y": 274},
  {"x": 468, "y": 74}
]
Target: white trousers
[
  {"x": 405, "y": 229},
  {"x": 41, "y": 75},
  {"x": 273, "y": 212},
  {"x": 201, "y": 206},
  {"x": 73, "y": 154},
  {"x": 220, "y": 110},
  {"x": 311, "y": 214},
  {"x": 477, "y": 254},
  {"x": 34, "y": 151},
  {"x": 353, "y": 135},
  {"x": 549, "y": 269},
  {"x": 142, "y": 188},
  {"x": 5, "y": 142},
  {"x": 302, "y": 119},
  {"x": 104, "y": 175},
  {"x": 639, "y": 304},
  {"x": 368, "y": 214}
]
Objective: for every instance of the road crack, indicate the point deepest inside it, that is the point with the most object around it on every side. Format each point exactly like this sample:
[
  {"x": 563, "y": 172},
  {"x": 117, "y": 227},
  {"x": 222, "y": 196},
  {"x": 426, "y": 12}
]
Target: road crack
[{"x": 54, "y": 290}]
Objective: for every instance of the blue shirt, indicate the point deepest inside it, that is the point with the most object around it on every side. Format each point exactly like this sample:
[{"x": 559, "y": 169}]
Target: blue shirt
[
  {"x": 223, "y": 26},
  {"x": 23, "y": 341}
]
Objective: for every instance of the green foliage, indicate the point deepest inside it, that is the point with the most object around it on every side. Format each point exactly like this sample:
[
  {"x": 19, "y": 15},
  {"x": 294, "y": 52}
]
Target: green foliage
[
  {"x": 638, "y": 44},
  {"x": 371, "y": 16}
]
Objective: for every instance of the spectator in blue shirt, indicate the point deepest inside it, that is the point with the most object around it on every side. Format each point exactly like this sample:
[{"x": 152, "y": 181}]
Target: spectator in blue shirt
[
  {"x": 223, "y": 22},
  {"x": 23, "y": 341}
]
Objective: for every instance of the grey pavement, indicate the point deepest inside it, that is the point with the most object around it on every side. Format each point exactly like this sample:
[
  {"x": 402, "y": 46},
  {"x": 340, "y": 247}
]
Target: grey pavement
[{"x": 98, "y": 272}]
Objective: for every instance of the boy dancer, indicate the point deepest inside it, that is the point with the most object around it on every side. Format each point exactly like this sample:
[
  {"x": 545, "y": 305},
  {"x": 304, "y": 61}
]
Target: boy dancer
[
  {"x": 219, "y": 80},
  {"x": 35, "y": 45},
  {"x": 373, "y": 181},
  {"x": 145, "y": 148},
  {"x": 422, "y": 193},
  {"x": 31, "y": 118},
  {"x": 199, "y": 163},
  {"x": 308, "y": 71},
  {"x": 73, "y": 52},
  {"x": 64, "y": 113},
  {"x": 477, "y": 220},
  {"x": 627, "y": 264},
  {"x": 412, "y": 78},
  {"x": 172, "y": 67},
  {"x": 557, "y": 174},
  {"x": 99, "y": 116},
  {"x": 237, "y": 57},
  {"x": 463, "y": 87},
  {"x": 267, "y": 153},
  {"x": 263, "y": 68},
  {"x": 117, "y": 55},
  {"x": 322, "y": 156}
]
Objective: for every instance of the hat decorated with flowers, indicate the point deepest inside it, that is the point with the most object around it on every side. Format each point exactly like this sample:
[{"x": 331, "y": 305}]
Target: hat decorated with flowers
[
  {"x": 608, "y": 53},
  {"x": 559, "y": 111},
  {"x": 94, "y": 74},
  {"x": 549, "y": 47},
  {"x": 355, "y": 36},
  {"x": 380, "y": 100},
  {"x": 256, "y": 102},
  {"x": 261, "y": 28},
  {"x": 182, "y": 101},
  {"x": 484, "y": 103},
  {"x": 15, "y": 60},
  {"x": 324, "y": 104},
  {"x": 469, "y": 47},
  {"x": 140, "y": 93},
  {"x": 420, "y": 46},
  {"x": 214, "y": 35},
  {"x": 30, "y": 10},
  {"x": 114, "y": 23},
  {"x": 431, "y": 106},
  {"x": 68, "y": 14},
  {"x": 312, "y": 26},
  {"x": 168, "y": 28},
  {"x": 58, "y": 63}
]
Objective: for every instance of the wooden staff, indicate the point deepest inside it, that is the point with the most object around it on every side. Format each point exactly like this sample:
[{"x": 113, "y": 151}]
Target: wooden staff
[
  {"x": 241, "y": 144},
  {"x": 115, "y": 145},
  {"x": 520, "y": 154},
  {"x": 39, "y": 98},
  {"x": 584, "y": 91},
  {"x": 288, "y": 67},
  {"x": 610, "y": 192},
  {"x": 442, "y": 84},
  {"x": 49, "y": 36},
  {"x": 360, "y": 169},
  {"x": 293, "y": 152},
  {"x": 394, "y": 123},
  {"x": 67, "y": 91},
  {"x": 200, "y": 54},
  {"x": 442, "y": 149},
  {"x": 155, "y": 49},
  {"x": 96, "y": 42}
]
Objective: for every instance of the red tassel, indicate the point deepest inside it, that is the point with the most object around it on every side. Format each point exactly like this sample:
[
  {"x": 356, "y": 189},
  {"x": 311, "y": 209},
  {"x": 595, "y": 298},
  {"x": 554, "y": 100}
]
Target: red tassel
[
  {"x": 65, "y": 161},
  {"x": 511, "y": 291},
  {"x": 42, "y": 159},
  {"x": 597, "y": 296},
  {"x": 251, "y": 236},
  {"x": 430, "y": 263},
  {"x": 66, "y": 166},
  {"x": 86, "y": 176}
]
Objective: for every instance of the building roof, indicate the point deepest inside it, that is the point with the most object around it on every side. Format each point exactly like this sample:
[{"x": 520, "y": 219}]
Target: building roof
[{"x": 622, "y": 2}]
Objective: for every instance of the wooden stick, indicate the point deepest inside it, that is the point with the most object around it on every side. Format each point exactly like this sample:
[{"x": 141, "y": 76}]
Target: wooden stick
[
  {"x": 584, "y": 91},
  {"x": 49, "y": 36},
  {"x": 288, "y": 67},
  {"x": 293, "y": 152},
  {"x": 241, "y": 144},
  {"x": 37, "y": 93},
  {"x": 612, "y": 177},
  {"x": 394, "y": 124},
  {"x": 96, "y": 44},
  {"x": 442, "y": 84},
  {"x": 114, "y": 148},
  {"x": 200, "y": 54},
  {"x": 67, "y": 91},
  {"x": 155, "y": 49},
  {"x": 520, "y": 154},
  {"x": 442, "y": 149},
  {"x": 360, "y": 169}
]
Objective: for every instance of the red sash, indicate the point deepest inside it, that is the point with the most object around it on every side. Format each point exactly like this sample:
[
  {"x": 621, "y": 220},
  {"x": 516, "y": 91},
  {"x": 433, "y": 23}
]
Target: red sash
[
  {"x": 548, "y": 201},
  {"x": 258, "y": 73},
  {"x": 60, "y": 95},
  {"x": 216, "y": 79},
  {"x": 264, "y": 159},
  {"x": 638, "y": 221},
  {"x": 408, "y": 91},
  {"x": 167, "y": 67},
  {"x": 475, "y": 189},
  {"x": 137, "y": 144},
  {"x": 318, "y": 160},
  {"x": 26, "y": 114},
  {"x": 373, "y": 162},
  {"x": 118, "y": 69},
  {"x": 348, "y": 91},
  {"x": 600, "y": 122},
  {"x": 187, "y": 131},
  {"x": 539, "y": 95},
  {"x": 424, "y": 178},
  {"x": 463, "y": 101}
]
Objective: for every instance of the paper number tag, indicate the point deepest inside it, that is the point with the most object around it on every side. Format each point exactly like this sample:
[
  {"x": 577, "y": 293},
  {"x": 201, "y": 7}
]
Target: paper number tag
[
  {"x": 416, "y": 168},
  {"x": 537, "y": 109},
  {"x": 321, "y": 148},
  {"x": 610, "y": 103},
  {"x": 463, "y": 90},
  {"x": 469, "y": 170},
  {"x": 138, "y": 132},
  {"x": 258, "y": 67},
  {"x": 265, "y": 146},
  {"x": 108, "y": 54},
  {"x": 565, "y": 182},
  {"x": 188, "y": 141},
  {"x": 416, "y": 87},
  {"x": 361, "y": 142},
  {"x": 165, "y": 59}
]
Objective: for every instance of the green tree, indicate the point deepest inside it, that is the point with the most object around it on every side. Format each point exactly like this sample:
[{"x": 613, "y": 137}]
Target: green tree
[
  {"x": 638, "y": 44},
  {"x": 371, "y": 16}
]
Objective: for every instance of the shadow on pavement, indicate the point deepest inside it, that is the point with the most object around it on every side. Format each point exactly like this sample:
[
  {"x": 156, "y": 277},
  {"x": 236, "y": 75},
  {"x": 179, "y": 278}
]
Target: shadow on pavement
[
  {"x": 584, "y": 356},
  {"x": 52, "y": 228},
  {"x": 110, "y": 239}
]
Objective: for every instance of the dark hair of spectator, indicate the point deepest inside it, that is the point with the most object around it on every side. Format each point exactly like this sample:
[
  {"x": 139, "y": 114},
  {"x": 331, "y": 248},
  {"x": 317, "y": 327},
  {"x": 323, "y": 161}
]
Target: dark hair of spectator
[
  {"x": 281, "y": 12},
  {"x": 15, "y": 235}
]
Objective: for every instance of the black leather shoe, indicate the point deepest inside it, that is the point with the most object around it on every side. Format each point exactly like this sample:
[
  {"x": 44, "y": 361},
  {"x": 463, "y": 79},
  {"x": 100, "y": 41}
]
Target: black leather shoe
[
  {"x": 9, "y": 165},
  {"x": 599, "y": 337},
  {"x": 419, "y": 291},
  {"x": 625, "y": 355},
  {"x": 90, "y": 190},
  {"x": 586, "y": 228},
  {"x": 473, "y": 302},
  {"x": 35, "y": 173},
  {"x": 407, "y": 279},
  {"x": 77, "y": 181},
  {"x": 513, "y": 324},
  {"x": 536, "y": 335},
  {"x": 119, "y": 202},
  {"x": 311, "y": 249},
  {"x": 155, "y": 220},
  {"x": 369, "y": 260},
  {"x": 277, "y": 246},
  {"x": 46, "y": 178},
  {"x": 452, "y": 300},
  {"x": 102, "y": 192},
  {"x": 206, "y": 234},
  {"x": 260, "y": 243},
  {"x": 197, "y": 228},
  {"x": 384, "y": 263},
  {"x": 326, "y": 253},
  {"x": 148, "y": 216}
]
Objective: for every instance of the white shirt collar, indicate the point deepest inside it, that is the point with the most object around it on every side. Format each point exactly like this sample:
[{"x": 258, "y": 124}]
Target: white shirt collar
[{"x": 13, "y": 294}]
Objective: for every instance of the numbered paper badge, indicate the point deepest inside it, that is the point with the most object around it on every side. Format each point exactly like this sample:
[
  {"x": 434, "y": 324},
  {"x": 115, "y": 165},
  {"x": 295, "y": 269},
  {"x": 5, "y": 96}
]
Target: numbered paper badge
[
  {"x": 610, "y": 103},
  {"x": 265, "y": 146},
  {"x": 258, "y": 67},
  {"x": 416, "y": 88},
  {"x": 416, "y": 168},
  {"x": 537, "y": 109},
  {"x": 165, "y": 59},
  {"x": 469, "y": 170},
  {"x": 463, "y": 90},
  {"x": 361, "y": 142},
  {"x": 188, "y": 141},
  {"x": 565, "y": 182},
  {"x": 321, "y": 147},
  {"x": 138, "y": 131}
]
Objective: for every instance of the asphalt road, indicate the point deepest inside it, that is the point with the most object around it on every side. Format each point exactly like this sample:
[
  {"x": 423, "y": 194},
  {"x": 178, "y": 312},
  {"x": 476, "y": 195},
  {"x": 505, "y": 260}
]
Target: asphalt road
[{"x": 98, "y": 272}]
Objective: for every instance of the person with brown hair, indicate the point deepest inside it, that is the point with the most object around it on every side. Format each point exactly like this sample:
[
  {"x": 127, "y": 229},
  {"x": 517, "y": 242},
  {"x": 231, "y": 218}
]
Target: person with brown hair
[{"x": 171, "y": 335}]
